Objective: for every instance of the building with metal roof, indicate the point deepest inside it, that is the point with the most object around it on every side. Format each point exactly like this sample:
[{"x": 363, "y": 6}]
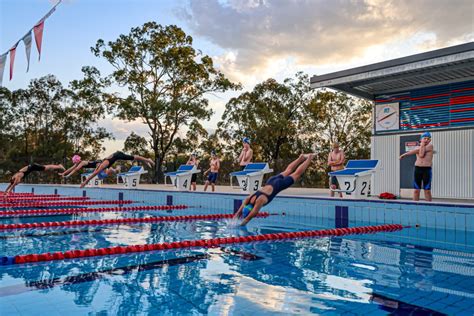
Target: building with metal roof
[{"x": 429, "y": 91}]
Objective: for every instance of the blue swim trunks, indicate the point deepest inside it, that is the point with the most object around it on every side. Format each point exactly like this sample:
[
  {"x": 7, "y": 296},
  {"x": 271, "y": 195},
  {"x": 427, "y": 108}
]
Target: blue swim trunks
[{"x": 212, "y": 177}]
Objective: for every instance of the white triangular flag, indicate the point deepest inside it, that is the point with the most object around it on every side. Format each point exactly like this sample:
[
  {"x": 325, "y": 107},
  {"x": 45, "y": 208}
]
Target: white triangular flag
[
  {"x": 3, "y": 62},
  {"x": 27, "y": 39}
]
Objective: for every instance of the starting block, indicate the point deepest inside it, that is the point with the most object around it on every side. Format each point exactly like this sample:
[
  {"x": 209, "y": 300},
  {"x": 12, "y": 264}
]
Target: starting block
[
  {"x": 251, "y": 178},
  {"x": 131, "y": 178},
  {"x": 181, "y": 178},
  {"x": 97, "y": 181},
  {"x": 355, "y": 179}
]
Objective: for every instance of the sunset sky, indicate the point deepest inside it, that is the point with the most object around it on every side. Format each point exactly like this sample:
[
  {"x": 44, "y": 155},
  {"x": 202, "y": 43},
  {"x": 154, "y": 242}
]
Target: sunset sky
[{"x": 249, "y": 40}]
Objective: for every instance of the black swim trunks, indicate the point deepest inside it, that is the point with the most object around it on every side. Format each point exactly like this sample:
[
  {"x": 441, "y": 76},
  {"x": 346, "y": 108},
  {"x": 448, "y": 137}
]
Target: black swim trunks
[
  {"x": 423, "y": 177},
  {"x": 118, "y": 155},
  {"x": 334, "y": 181},
  {"x": 33, "y": 167},
  {"x": 92, "y": 164},
  {"x": 194, "y": 178}
]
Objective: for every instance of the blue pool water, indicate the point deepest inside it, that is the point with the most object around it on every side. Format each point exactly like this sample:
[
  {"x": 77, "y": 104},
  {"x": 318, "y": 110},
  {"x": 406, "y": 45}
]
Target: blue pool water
[{"x": 352, "y": 275}]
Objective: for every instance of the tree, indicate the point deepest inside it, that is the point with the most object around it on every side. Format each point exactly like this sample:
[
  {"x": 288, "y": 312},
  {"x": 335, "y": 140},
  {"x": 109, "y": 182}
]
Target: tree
[
  {"x": 271, "y": 116},
  {"x": 48, "y": 123},
  {"x": 136, "y": 145},
  {"x": 166, "y": 79},
  {"x": 337, "y": 117}
]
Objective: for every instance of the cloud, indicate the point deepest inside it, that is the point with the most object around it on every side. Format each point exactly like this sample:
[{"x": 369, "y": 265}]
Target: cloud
[
  {"x": 122, "y": 129},
  {"x": 262, "y": 35}
]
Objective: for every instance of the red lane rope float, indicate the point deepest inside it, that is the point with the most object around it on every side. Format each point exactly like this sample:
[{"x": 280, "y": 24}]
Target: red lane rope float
[
  {"x": 65, "y": 203},
  {"x": 123, "y": 221},
  {"x": 93, "y": 210},
  {"x": 41, "y": 198},
  {"x": 211, "y": 243},
  {"x": 28, "y": 195}
]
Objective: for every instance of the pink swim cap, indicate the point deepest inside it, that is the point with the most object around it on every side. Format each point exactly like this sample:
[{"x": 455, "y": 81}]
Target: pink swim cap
[{"x": 76, "y": 159}]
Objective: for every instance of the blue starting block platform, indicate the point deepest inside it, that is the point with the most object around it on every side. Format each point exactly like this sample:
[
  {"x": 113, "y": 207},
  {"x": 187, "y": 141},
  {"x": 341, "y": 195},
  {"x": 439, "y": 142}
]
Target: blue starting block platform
[
  {"x": 250, "y": 179},
  {"x": 131, "y": 178},
  {"x": 181, "y": 178},
  {"x": 355, "y": 179}
]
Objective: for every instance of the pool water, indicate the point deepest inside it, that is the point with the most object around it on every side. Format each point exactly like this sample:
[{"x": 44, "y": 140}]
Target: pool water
[{"x": 351, "y": 275}]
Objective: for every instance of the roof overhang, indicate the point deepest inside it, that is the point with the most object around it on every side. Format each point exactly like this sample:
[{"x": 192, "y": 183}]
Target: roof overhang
[{"x": 451, "y": 64}]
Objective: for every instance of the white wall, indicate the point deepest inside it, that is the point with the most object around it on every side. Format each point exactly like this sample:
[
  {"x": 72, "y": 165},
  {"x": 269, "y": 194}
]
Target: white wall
[
  {"x": 387, "y": 178},
  {"x": 453, "y": 164}
]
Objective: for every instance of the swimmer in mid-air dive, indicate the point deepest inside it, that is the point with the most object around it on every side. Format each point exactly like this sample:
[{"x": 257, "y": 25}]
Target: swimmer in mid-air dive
[
  {"x": 110, "y": 160},
  {"x": 25, "y": 171},
  {"x": 79, "y": 164},
  {"x": 254, "y": 202}
]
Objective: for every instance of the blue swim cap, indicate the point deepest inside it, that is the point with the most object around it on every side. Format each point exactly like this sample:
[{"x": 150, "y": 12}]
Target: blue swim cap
[
  {"x": 213, "y": 152},
  {"x": 425, "y": 134},
  {"x": 246, "y": 211},
  {"x": 246, "y": 140},
  {"x": 102, "y": 175}
]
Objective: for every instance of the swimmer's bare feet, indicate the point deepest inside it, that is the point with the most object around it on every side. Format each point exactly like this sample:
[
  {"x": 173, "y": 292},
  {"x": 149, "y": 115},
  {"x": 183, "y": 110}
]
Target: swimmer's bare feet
[{"x": 150, "y": 163}]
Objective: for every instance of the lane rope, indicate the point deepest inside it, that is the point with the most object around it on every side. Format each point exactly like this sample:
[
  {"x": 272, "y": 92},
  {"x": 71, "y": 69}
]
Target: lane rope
[
  {"x": 65, "y": 203},
  {"x": 121, "y": 221},
  {"x": 208, "y": 243},
  {"x": 41, "y": 198},
  {"x": 67, "y": 211}
]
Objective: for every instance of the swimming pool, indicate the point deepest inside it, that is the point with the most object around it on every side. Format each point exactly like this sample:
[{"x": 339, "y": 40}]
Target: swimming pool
[{"x": 427, "y": 270}]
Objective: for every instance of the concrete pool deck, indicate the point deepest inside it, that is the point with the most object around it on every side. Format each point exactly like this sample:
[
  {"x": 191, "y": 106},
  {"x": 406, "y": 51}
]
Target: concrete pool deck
[{"x": 293, "y": 191}]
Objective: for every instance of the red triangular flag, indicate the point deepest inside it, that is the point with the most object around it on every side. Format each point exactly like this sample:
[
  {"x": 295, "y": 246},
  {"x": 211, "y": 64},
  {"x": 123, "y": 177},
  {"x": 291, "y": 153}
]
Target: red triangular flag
[
  {"x": 38, "y": 30},
  {"x": 12, "y": 59}
]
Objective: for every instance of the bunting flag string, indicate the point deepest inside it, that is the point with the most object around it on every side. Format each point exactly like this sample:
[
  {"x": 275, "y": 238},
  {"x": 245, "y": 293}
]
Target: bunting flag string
[{"x": 27, "y": 39}]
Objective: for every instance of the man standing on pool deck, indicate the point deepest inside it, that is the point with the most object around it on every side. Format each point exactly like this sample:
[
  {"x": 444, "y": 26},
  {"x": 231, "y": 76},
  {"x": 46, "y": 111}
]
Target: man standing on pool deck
[
  {"x": 247, "y": 153},
  {"x": 213, "y": 171},
  {"x": 336, "y": 162},
  {"x": 25, "y": 171},
  {"x": 110, "y": 160},
  {"x": 254, "y": 202},
  {"x": 192, "y": 161},
  {"x": 423, "y": 164}
]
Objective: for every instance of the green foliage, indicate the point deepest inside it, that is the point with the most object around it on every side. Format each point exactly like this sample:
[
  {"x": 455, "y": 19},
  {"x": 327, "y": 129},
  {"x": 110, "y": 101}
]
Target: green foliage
[
  {"x": 166, "y": 79},
  {"x": 286, "y": 119},
  {"x": 337, "y": 117},
  {"x": 47, "y": 123},
  {"x": 271, "y": 116},
  {"x": 136, "y": 145}
]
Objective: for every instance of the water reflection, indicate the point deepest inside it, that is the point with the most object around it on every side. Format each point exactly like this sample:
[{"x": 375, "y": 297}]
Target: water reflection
[{"x": 291, "y": 277}]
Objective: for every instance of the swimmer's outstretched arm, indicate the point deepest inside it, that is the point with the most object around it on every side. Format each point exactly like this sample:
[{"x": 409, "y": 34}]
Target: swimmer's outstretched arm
[
  {"x": 75, "y": 168},
  {"x": 97, "y": 170},
  {"x": 244, "y": 204},
  {"x": 11, "y": 186},
  {"x": 416, "y": 151}
]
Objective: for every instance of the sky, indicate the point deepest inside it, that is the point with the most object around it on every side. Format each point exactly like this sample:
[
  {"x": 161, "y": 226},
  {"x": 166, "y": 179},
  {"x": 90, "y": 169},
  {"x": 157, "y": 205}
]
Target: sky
[{"x": 249, "y": 40}]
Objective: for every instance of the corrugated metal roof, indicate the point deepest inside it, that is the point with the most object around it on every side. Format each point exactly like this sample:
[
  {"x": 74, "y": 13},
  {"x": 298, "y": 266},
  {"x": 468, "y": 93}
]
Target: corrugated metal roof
[{"x": 451, "y": 64}]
